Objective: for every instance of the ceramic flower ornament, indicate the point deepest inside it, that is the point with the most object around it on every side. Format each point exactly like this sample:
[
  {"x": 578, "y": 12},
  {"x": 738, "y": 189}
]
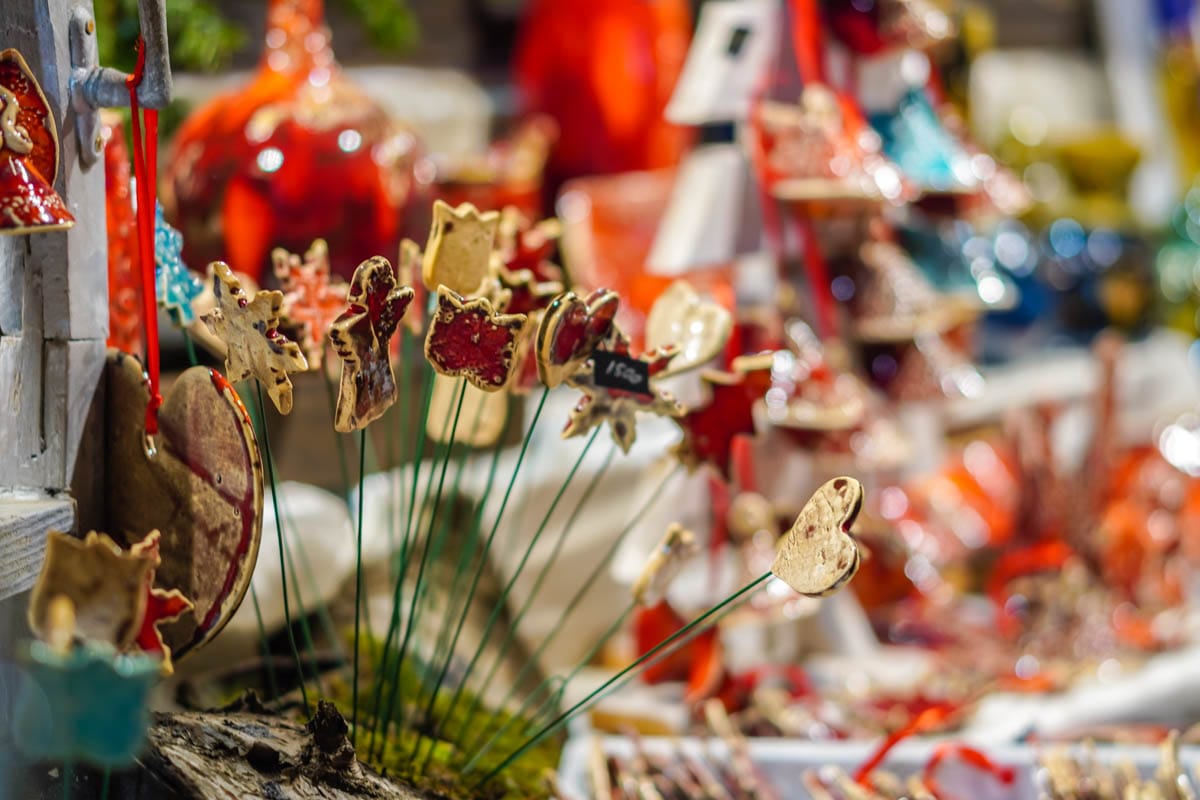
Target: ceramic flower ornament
[
  {"x": 249, "y": 326},
  {"x": 28, "y": 153},
  {"x": 470, "y": 339},
  {"x": 312, "y": 299},
  {"x": 111, "y": 592},
  {"x": 571, "y": 329},
  {"x": 459, "y": 249},
  {"x": 360, "y": 336},
  {"x": 175, "y": 284}
]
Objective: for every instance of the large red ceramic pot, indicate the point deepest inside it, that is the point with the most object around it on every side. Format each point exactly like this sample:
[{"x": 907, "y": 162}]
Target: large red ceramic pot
[{"x": 299, "y": 153}]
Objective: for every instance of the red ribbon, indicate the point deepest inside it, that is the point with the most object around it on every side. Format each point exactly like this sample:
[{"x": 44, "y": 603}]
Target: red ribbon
[
  {"x": 927, "y": 719},
  {"x": 145, "y": 170},
  {"x": 969, "y": 756}
]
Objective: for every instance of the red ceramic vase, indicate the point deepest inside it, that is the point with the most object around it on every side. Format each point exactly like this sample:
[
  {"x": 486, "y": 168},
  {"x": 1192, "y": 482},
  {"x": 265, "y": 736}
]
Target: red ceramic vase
[
  {"x": 604, "y": 71},
  {"x": 299, "y": 153}
]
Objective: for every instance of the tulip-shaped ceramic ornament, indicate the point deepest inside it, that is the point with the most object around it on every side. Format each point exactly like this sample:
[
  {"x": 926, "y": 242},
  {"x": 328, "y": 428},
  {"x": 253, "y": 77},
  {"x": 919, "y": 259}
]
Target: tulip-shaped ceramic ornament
[
  {"x": 818, "y": 556},
  {"x": 28, "y": 154}
]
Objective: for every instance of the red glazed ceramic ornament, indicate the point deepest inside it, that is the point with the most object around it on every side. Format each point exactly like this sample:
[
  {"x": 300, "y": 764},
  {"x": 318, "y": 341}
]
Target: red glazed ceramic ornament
[
  {"x": 361, "y": 336},
  {"x": 616, "y": 386},
  {"x": 301, "y": 152},
  {"x": 250, "y": 329},
  {"x": 28, "y": 153},
  {"x": 571, "y": 330},
  {"x": 202, "y": 487},
  {"x": 709, "y": 431},
  {"x": 523, "y": 245},
  {"x": 311, "y": 299},
  {"x": 470, "y": 339}
]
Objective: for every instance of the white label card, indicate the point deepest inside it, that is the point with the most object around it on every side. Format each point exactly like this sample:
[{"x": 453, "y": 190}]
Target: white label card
[{"x": 730, "y": 53}]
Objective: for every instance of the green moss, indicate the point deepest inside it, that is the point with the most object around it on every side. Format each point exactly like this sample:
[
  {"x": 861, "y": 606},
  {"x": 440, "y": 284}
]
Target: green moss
[{"x": 408, "y": 746}]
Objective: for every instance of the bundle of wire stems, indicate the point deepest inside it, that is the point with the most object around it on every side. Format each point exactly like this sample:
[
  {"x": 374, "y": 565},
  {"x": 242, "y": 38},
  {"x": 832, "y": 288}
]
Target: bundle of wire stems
[{"x": 414, "y": 711}]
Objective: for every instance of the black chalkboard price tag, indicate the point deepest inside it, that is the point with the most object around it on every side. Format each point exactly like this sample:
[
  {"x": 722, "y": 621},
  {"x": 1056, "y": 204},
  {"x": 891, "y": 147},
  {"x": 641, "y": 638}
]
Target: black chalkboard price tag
[{"x": 615, "y": 371}]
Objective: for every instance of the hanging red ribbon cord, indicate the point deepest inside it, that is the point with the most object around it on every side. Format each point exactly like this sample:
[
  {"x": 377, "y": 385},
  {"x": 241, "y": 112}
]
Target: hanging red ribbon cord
[
  {"x": 145, "y": 170},
  {"x": 967, "y": 755},
  {"x": 806, "y": 40},
  {"x": 928, "y": 719}
]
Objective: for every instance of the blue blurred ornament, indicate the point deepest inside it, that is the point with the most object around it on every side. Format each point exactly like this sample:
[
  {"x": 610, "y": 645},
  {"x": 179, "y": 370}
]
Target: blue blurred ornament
[
  {"x": 175, "y": 285},
  {"x": 87, "y": 704},
  {"x": 915, "y": 139}
]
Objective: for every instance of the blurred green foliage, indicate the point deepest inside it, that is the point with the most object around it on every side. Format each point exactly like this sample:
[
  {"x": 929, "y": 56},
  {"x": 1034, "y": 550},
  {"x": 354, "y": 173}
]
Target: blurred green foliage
[{"x": 202, "y": 40}]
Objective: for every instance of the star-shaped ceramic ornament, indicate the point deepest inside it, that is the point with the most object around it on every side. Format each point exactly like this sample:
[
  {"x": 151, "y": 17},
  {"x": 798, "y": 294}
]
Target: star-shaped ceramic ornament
[
  {"x": 677, "y": 545},
  {"x": 111, "y": 592},
  {"x": 459, "y": 249},
  {"x": 571, "y": 329},
  {"x": 525, "y": 245},
  {"x": 520, "y": 292},
  {"x": 709, "y": 431},
  {"x": 249, "y": 326},
  {"x": 175, "y": 285},
  {"x": 616, "y": 386},
  {"x": 312, "y": 299},
  {"x": 361, "y": 338},
  {"x": 470, "y": 339},
  {"x": 817, "y": 556}
]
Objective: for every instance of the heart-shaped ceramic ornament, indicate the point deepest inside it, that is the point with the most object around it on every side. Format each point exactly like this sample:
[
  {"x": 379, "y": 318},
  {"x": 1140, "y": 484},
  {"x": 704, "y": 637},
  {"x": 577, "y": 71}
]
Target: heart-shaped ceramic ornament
[
  {"x": 699, "y": 328},
  {"x": 818, "y": 556},
  {"x": 200, "y": 484},
  {"x": 571, "y": 330}
]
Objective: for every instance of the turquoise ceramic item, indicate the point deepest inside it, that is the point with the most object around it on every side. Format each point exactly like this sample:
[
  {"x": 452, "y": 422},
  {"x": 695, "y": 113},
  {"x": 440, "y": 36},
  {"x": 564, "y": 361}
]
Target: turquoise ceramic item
[
  {"x": 914, "y": 138},
  {"x": 89, "y": 705},
  {"x": 175, "y": 284}
]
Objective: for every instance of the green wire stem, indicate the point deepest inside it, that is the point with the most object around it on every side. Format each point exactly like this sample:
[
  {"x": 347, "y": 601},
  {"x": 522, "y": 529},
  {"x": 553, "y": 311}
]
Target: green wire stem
[{"x": 693, "y": 628}]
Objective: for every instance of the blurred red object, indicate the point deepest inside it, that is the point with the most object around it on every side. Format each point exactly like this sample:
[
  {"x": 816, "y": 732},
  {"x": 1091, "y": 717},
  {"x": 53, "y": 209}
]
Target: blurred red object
[
  {"x": 609, "y": 225},
  {"x": 510, "y": 173},
  {"x": 604, "y": 71},
  {"x": 124, "y": 282},
  {"x": 300, "y": 153}
]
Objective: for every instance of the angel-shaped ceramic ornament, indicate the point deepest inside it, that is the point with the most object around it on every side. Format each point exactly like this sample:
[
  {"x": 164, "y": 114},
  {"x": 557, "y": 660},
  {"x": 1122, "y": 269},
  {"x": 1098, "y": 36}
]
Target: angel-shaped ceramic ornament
[
  {"x": 361, "y": 337},
  {"x": 28, "y": 153}
]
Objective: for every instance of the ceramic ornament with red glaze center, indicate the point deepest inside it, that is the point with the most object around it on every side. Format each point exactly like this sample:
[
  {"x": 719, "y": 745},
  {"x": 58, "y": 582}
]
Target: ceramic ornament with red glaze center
[
  {"x": 470, "y": 339},
  {"x": 201, "y": 486},
  {"x": 360, "y": 336},
  {"x": 571, "y": 329}
]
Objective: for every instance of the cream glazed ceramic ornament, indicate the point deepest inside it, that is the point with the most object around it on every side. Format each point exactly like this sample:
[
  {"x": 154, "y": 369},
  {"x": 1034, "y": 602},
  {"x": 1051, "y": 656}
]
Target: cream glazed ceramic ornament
[
  {"x": 818, "y": 556},
  {"x": 249, "y": 327},
  {"x": 697, "y": 327},
  {"x": 664, "y": 564},
  {"x": 361, "y": 338},
  {"x": 201, "y": 485},
  {"x": 459, "y": 249}
]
